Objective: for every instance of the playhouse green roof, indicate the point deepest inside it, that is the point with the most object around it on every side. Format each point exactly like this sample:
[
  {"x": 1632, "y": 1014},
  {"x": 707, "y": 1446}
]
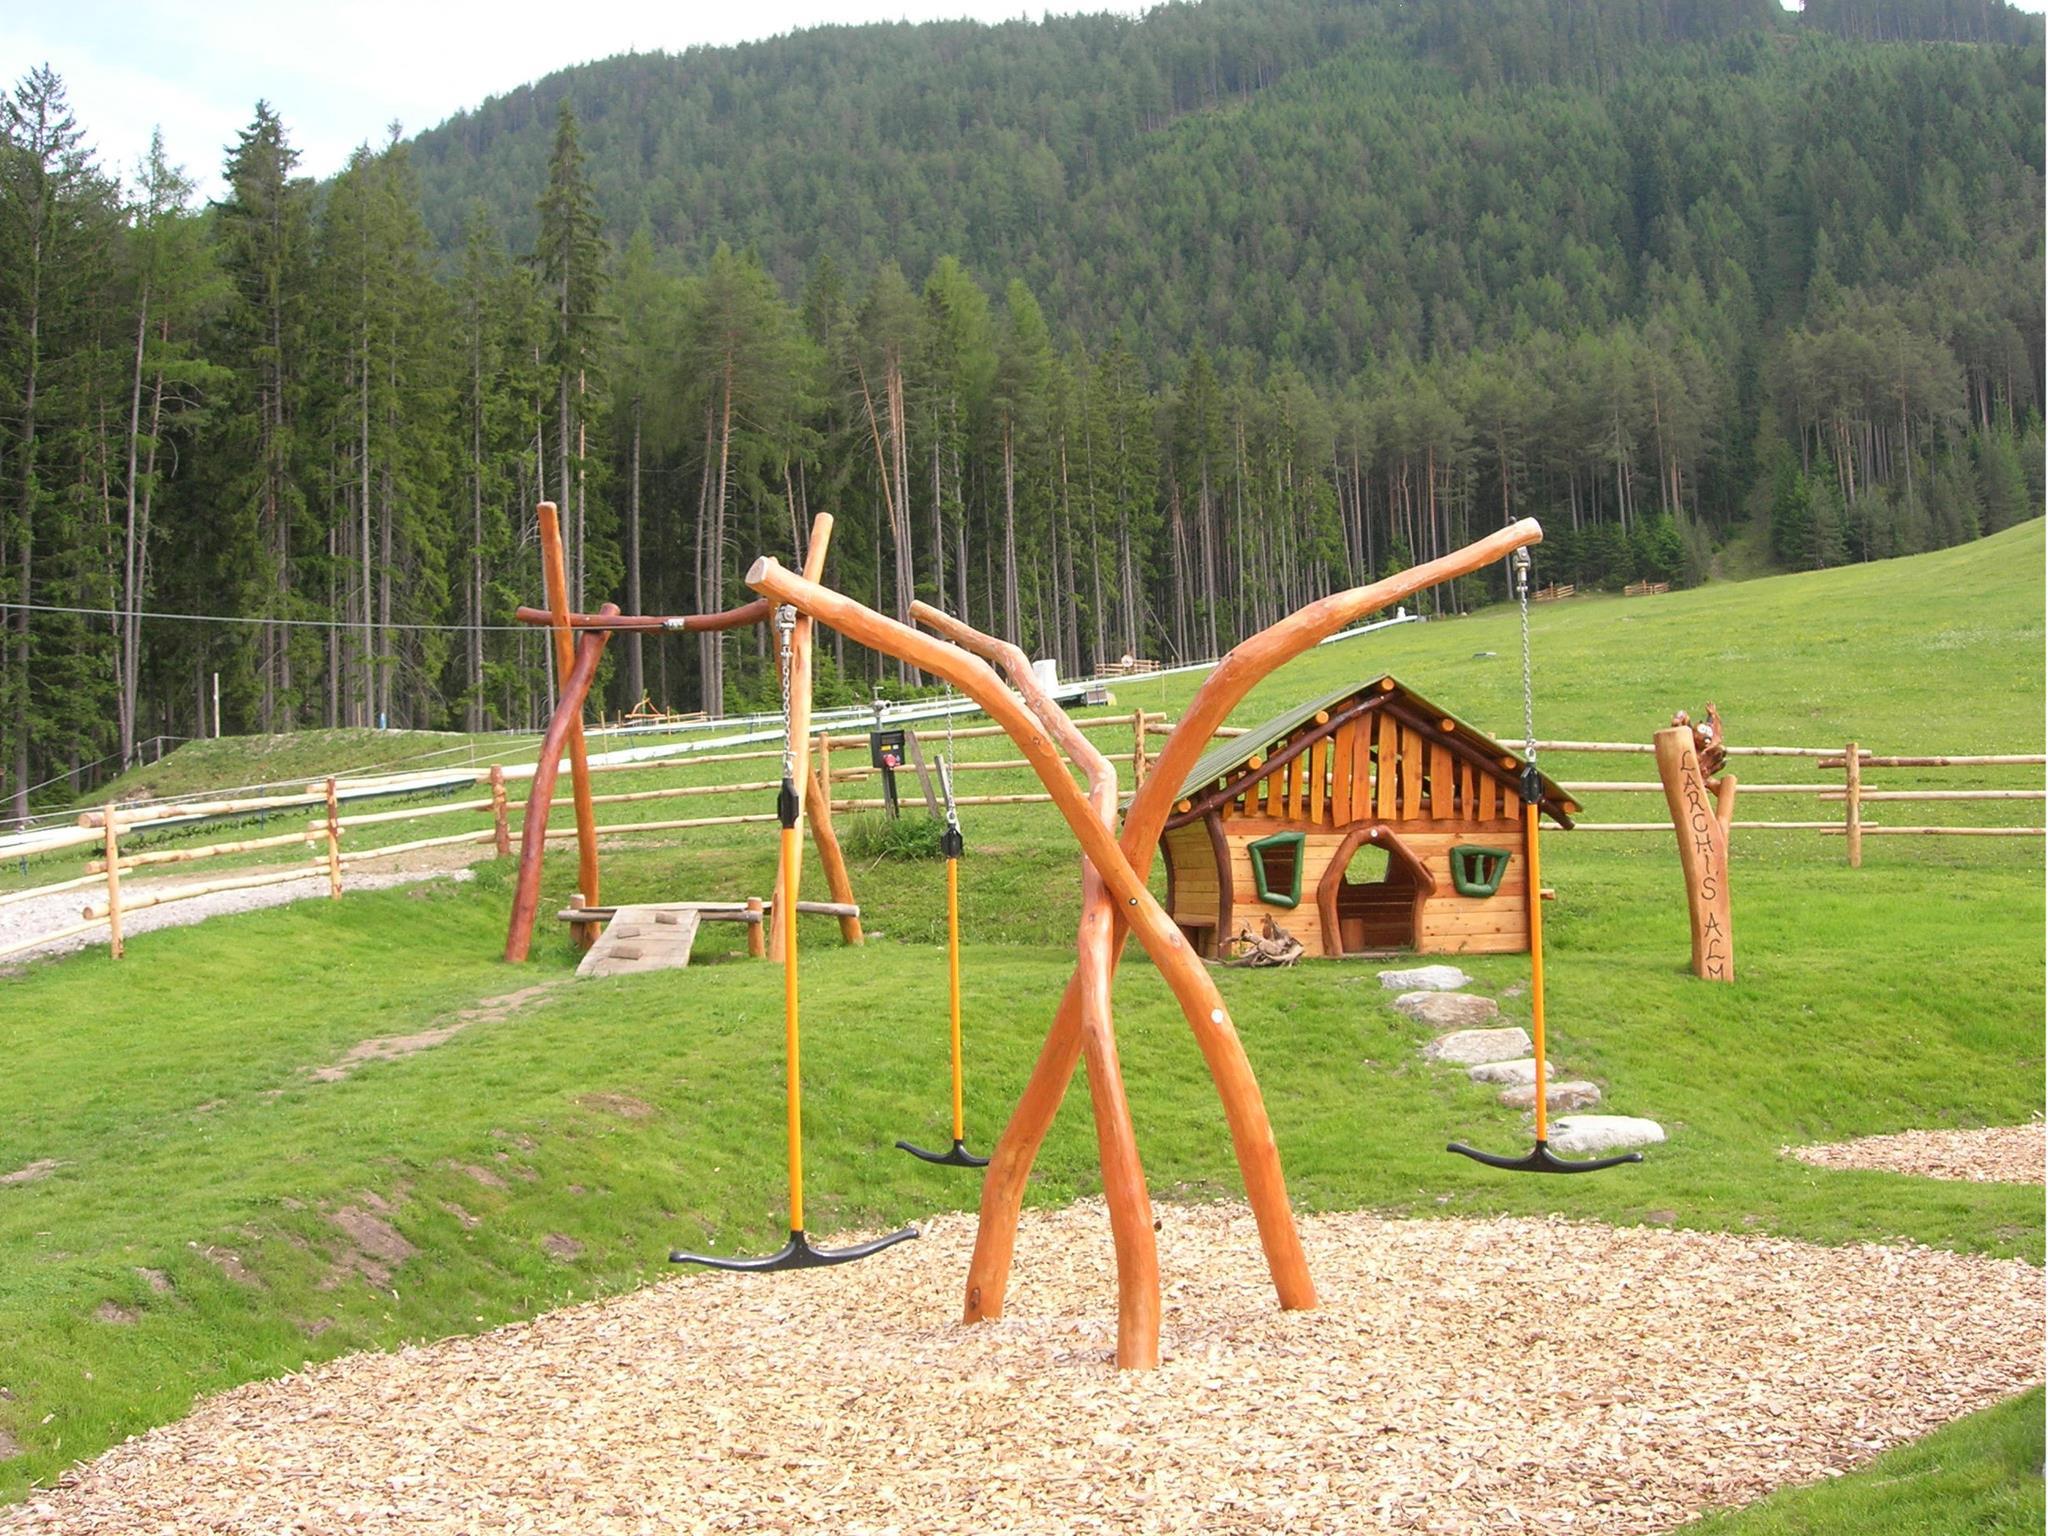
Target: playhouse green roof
[{"x": 1228, "y": 755}]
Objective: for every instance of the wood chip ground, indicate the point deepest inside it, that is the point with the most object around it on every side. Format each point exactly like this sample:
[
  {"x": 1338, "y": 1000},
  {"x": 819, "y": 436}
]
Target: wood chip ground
[
  {"x": 2010, "y": 1154},
  {"x": 1461, "y": 1376}
]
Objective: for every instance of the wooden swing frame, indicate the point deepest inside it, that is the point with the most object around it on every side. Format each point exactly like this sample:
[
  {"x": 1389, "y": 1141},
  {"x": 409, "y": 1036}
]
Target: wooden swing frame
[
  {"x": 579, "y": 643},
  {"x": 1116, "y": 905}
]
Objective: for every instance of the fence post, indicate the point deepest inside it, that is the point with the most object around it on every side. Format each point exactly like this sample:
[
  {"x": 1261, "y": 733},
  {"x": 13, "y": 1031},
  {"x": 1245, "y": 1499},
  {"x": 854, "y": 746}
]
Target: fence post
[
  {"x": 757, "y": 941},
  {"x": 1138, "y": 748},
  {"x": 333, "y": 843},
  {"x": 113, "y": 840},
  {"x": 1852, "y": 784},
  {"x": 500, "y": 821}
]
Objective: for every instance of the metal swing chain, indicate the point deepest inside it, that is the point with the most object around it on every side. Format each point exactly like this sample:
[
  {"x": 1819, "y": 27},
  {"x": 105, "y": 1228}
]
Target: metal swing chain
[
  {"x": 946, "y": 768},
  {"x": 1521, "y": 567},
  {"x": 785, "y": 622}
]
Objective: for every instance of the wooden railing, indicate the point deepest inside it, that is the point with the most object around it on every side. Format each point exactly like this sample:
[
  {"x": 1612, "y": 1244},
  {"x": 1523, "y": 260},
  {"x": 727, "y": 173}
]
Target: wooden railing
[
  {"x": 1851, "y": 762},
  {"x": 1554, "y": 592},
  {"x": 104, "y": 829},
  {"x": 324, "y": 835},
  {"x": 1646, "y": 588}
]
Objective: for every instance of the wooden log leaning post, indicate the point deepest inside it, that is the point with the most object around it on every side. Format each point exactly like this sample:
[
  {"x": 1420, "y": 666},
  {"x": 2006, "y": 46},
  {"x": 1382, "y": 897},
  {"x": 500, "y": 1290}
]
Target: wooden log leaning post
[
  {"x": 1701, "y": 810},
  {"x": 501, "y": 821},
  {"x": 1009, "y": 1169},
  {"x": 785, "y": 909},
  {"x": 333, "y": 844},
  {"x": 114, "y": 886},
  {"x": 533, "y": 836},
  {"x": 554, "y": 573},
  {"x": 1123, "y": 1173},
  {"x": 818, "y": 807},
  {"x": 1852, "y": 818}
]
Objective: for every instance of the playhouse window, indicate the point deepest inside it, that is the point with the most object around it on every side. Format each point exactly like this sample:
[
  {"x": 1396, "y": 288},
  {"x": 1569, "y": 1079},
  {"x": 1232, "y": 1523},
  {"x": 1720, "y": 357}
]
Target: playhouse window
[
  {"x": 1276, "y": 868},
  {"x": 1477, "y": 871}
]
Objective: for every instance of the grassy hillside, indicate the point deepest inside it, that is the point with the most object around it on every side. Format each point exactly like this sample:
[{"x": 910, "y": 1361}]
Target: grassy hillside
[
  {"x": 290, "y": 761},
  {"x": 217, "y": 1212}
]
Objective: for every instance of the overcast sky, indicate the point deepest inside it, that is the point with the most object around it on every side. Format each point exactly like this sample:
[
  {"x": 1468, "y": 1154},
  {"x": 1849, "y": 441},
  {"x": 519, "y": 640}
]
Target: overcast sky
[{"x": 340, "y": 71}]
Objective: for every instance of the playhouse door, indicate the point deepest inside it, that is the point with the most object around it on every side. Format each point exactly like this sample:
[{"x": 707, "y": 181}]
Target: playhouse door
[{"x": 1376, "y": 902}]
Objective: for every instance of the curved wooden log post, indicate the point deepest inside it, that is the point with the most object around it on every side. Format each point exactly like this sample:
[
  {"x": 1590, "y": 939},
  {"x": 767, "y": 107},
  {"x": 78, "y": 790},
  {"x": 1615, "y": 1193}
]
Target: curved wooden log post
[
  {"x": 533, "y": 836},
  {"x": 1116, "y": 1139},
  {"x": 554, "y": 573},
  {"x": 1250, "y": 1132},
  {"x": 1700, "y": 813},
  {"x": 785, "y": 909},
  {"x": 1249, "y": 663},
  {"x": 818, "y": 809}
]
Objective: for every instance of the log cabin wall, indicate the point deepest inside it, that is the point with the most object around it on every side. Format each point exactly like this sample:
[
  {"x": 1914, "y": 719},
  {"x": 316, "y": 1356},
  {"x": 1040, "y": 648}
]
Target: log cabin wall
[{"x": 1375, "y": 769}]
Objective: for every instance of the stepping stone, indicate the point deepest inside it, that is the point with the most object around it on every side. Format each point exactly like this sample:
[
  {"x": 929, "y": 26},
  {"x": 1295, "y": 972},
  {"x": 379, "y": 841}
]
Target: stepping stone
[
  {"x": 1425, "y": 978},
  {"x": 1562, "y": 1098},
  {"x": 1514, "y": 1074},
  {"x": 1589, "y": 1135},
  {"x": 1466, "y": 1047},
  {"x": 1448, "y": 1010}
]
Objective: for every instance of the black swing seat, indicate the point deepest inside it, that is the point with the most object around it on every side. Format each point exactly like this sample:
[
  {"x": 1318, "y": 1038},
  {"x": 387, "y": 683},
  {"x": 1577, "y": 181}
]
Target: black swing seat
[
  {"x": 797, "y": 1253},
  {"x": 957, "y": 1157},
  {"x": 1541, "y": 1159}
]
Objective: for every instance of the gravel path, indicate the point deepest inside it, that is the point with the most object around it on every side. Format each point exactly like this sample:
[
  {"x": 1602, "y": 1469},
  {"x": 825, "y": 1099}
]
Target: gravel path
[
  {"x": 2003, "y": 1154},
  {"x": 46, "y": 914},
  {"x": 1461, "y": 1376}
]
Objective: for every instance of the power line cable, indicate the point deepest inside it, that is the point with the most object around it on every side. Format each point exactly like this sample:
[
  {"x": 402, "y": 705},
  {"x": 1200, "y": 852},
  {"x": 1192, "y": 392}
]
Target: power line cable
[{"x": 237, "y": 618}]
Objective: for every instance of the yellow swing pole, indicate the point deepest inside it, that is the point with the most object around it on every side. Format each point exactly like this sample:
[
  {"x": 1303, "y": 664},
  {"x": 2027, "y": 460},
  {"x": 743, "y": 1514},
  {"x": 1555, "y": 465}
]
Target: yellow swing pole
[
  {"x": 1532, "y": 839},
  {"x": 953, "y": 988},
  {"x": 792, "y": 1044},
  {"x": 951, "y": 845}
]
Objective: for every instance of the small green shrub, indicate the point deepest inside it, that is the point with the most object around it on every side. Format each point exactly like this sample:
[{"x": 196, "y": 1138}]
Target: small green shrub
[{"x": 873, "y": 835}]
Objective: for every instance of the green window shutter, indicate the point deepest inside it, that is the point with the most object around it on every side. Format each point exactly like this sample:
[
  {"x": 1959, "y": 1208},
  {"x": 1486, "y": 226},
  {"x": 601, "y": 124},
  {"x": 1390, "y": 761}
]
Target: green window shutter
[
  {"x": 1477, "y": 871},
  {"x": 1276, "y": 868}
]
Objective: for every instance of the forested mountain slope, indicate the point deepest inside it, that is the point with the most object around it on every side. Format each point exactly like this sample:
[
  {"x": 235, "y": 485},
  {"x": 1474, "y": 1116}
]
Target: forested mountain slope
[{"x": 1110, "y": 334}]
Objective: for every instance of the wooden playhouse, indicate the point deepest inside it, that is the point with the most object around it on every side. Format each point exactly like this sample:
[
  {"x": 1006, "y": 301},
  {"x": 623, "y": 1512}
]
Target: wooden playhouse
[{"x": 1362, "y": 822}]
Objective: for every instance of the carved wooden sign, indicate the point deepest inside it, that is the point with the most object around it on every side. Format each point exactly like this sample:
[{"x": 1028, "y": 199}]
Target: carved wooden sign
[{"x": 1701, "y": 808}]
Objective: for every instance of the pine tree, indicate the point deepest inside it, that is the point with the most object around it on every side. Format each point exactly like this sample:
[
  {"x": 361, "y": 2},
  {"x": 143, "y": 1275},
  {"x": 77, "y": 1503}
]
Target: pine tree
[
  {"x": 266, "y": 255},
  {"x": 572, "y": 262},
  {"x": 55, "y": 222}
]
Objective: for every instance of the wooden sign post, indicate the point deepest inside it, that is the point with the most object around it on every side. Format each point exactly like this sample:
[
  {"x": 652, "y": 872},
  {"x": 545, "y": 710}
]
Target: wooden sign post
[{"x": 1701, "y": 809}]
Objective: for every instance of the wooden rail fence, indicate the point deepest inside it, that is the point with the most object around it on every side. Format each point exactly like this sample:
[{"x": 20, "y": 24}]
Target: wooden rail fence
[{"x": 324, "y": 833}]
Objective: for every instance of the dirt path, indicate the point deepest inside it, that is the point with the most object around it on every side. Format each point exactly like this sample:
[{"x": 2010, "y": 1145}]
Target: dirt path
[
  {"x": 46, "y": 914},
  {"x": 1460, "y": 1376}
]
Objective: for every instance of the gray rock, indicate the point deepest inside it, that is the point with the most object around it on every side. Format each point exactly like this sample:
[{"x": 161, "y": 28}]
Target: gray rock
[
  {"x": 1514, "y": 1074},
  {"x": 1425, "y": 978},
  {"x": 1465, "y": 1047},
  {"x": 1589, "y": 1135},
  {"x": 1562, "y": 1097},
  {"x": 1448, "y": 1010}
]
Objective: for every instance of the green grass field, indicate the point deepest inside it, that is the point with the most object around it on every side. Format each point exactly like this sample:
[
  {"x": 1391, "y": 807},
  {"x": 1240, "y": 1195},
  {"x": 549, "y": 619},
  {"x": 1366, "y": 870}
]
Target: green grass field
[{"x": 187, "y": 1238}]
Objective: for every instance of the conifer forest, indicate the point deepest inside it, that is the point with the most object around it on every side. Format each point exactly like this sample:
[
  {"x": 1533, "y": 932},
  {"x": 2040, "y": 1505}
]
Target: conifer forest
[{"x": 1114, "y": 335}]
